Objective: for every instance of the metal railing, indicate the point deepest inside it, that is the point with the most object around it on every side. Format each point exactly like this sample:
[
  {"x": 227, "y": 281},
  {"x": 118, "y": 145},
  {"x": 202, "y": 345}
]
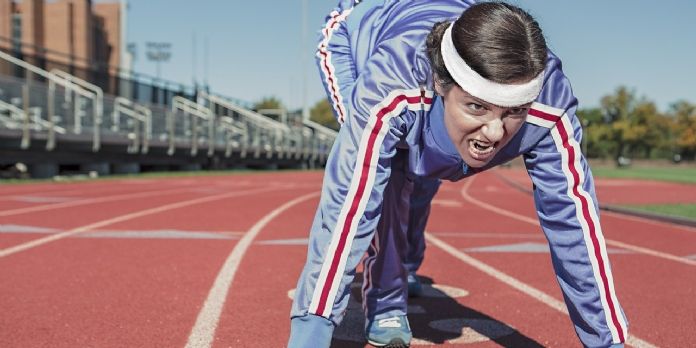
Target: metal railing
[
  {"x": 58, "y": 103},
  {"x": 53, "y": 81},
  {"x": 98, "y": 104},
  {"x": 264, "y": 134},
  {"x": 141, "y": 120},
  {"x": 323, "y": 138},
  {"x": 13, "y": 118},
  {"x": 196, "y": 112},
  {"x": 236, "y": 136}
]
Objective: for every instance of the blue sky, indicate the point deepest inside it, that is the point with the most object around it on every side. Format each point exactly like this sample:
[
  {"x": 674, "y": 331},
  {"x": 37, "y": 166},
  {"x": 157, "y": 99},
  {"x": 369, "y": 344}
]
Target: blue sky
[{"x": 255, "y": 47}]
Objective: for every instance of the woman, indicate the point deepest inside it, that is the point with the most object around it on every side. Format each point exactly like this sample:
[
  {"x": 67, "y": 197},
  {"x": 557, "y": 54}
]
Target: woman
[{"x": 443, "y": 89}]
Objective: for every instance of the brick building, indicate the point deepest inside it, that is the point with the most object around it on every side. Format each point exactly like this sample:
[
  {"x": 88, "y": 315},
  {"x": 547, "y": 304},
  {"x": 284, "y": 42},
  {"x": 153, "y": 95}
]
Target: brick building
[{"x": 77, "y": 34}]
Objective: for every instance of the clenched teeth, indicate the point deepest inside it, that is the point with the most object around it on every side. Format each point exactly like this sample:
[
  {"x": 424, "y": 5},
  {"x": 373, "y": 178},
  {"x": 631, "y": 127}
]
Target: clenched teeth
[{"x": 481, "y": 146}]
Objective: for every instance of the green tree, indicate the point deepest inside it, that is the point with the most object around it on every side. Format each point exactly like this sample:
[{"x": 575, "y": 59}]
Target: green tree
[
  {"x": 684, "y": 128},
  {"x": 322, "y": 113},
  {"x": 596, "y": 137},
  {"x": 269, "y": 103},
  {"x": 636, "y": 127},
  {"x": 647, "y": 130}
]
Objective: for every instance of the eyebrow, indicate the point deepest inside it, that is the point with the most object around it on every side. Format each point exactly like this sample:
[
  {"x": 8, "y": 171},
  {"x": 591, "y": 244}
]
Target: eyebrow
[
  {"x": 488, "y": 105},
  {"x": 478, "y": 100}
]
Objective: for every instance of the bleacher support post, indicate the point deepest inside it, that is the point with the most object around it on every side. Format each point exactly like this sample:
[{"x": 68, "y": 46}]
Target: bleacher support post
[
  {"x": 101, "y": 168},
  {"x": 51, "y": 141},
  {"x": 26, "y": 134},
  {"x": 126, "y": 168},
  {"x": 43, "y": 170}
]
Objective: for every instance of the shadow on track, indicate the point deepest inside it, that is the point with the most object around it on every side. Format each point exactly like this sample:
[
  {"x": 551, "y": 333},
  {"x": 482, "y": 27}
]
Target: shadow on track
[{"x": 435, "y": 318}]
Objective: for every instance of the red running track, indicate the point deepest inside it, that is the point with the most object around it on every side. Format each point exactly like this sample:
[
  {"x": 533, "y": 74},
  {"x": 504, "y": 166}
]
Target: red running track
[{"x": 211, "y": 262}]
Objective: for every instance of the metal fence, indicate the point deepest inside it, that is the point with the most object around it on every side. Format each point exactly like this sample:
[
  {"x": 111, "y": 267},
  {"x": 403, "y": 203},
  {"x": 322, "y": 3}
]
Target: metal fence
[{"x": 55, "y": 105}]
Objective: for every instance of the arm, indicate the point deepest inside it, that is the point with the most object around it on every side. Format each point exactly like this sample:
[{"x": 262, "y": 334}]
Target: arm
[
  {"x": 357, "y": 173},
  {"x": 567, "y": 207},
  {"x": 334, "y": 60}
]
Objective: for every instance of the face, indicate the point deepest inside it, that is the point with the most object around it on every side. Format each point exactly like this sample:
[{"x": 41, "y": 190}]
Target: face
[{"x": 479, "y": 129}]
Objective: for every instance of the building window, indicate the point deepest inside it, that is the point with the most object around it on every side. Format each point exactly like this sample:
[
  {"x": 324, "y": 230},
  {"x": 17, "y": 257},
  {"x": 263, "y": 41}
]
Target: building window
[{"x": 17, "y": 32}]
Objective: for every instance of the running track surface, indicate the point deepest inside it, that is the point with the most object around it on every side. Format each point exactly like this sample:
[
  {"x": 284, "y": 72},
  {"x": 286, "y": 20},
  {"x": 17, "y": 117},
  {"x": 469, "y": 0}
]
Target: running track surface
[{"x": 212, "y": 261}]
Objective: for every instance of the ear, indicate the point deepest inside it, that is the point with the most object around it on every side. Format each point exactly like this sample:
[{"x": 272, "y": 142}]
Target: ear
[{"x": 438, "y": 87}]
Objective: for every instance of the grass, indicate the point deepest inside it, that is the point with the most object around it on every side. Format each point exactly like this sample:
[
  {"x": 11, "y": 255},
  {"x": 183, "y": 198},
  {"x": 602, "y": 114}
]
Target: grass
[
  {"x": 678, "y": 210},
  {"x": 665, "y": 173}
]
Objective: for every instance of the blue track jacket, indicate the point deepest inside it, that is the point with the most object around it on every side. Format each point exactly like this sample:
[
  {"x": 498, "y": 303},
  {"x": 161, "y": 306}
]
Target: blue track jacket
[{"x": 376, "y": 72}]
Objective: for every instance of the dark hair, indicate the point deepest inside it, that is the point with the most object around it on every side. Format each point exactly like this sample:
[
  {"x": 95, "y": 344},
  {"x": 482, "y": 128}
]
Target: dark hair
[{"x": 499, "y": 41}]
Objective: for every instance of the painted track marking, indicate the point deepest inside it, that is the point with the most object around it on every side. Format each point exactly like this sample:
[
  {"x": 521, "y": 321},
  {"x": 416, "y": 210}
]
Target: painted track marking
[
  {"x": 56, "y": 191},
  {"x": 517, "y": 284},
  {"x": 535, "y": 222},
  {"x": 89, "y": 201},
  {"x": 99, "y": 224},
  {"x": 524, "y": 188},
  {"x": 490, "y": 235},
  {"x": 203, "y": 332},
  {"x": 648, "y": 221}
]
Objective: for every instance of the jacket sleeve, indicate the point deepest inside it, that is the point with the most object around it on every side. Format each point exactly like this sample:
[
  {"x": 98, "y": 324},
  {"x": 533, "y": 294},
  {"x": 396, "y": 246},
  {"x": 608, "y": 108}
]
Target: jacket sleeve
[
  {"x": 334, "y": 59},
  {"x": 357, "y": 172},
  {"x": 567, "y": 207}
]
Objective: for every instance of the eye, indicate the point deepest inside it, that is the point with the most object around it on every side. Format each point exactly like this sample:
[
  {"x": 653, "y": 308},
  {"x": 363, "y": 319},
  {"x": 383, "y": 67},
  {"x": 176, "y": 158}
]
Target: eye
[
  {"x": 517, "y": 111},
  {"x": 475, "y": 107}
]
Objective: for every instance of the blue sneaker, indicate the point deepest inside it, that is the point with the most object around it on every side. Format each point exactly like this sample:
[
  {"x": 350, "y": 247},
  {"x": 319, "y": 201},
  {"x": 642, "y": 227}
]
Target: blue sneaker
[
  {"x": 415, "y": 289},
  {"x": 391, "y": 332}
]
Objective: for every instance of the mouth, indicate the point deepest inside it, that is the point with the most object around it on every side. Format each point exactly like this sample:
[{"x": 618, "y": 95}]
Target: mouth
[{"x": 481, "y": 150}]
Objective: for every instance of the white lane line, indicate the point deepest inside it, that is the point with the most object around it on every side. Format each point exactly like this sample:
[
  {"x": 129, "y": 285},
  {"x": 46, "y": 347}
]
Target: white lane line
[
  {"x": 509, "y": 280},
  {"x": 135, "y": 234},
  {"x": 203, "y": 331},
  {"x": 526, "y": 247},
  {"x": 91, "y": 187},
  {"x": 447, "y": 203},
  {"x": 10, "y": 228},
  {"x": 37, "y": 242},
  {"x": 526, "y": 188},
  {"x": 649, "y": 221},
  {"x": 59, "y": 191},
  {"x": 535, "y": 222},
  {"x": 490, "y": 235},
  {"x": 164, "y": 234},
  {"x": 517, "y": 284},
  {"x": 43, "y": 199},
  {"x": 79, "y": 202}
]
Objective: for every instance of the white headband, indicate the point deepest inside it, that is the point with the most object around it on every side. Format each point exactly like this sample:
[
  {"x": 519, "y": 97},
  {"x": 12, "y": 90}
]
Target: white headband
[{"x": 492, "y": 92}]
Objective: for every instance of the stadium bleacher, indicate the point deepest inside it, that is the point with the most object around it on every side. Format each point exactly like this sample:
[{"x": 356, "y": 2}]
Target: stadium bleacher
[{"x": 54, "y": 122}]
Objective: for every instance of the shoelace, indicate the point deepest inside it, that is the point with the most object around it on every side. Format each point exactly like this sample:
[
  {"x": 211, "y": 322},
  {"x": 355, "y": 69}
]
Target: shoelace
[{"x": 392, "y": 322}]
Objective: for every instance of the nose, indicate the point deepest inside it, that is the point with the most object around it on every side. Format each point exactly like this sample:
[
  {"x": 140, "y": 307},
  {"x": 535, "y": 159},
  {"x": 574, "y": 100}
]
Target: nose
[{"x": 494, "y": 130}]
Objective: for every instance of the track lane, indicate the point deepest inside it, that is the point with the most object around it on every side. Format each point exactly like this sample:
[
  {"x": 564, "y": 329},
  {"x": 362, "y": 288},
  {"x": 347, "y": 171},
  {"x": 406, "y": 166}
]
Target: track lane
[
  {"x": 258, "y": 302},
  {"x": 631, "y": 282},
  {"x": 69, "y": 215},
  {"x": 649, "y": 192},
  {"x": 204, "y": 331},
  {"x": 624, "y": 191},
  {"x": 674, "y": 241},
  {"x": 67, "y": 218},
  {"x": 257, "y": 310},
  {"x": 91, "y": 194},
  {"x": 124, "y": 217},
  {"x": 167, "y": 280},
  {"x": 120, "y": 292}
]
